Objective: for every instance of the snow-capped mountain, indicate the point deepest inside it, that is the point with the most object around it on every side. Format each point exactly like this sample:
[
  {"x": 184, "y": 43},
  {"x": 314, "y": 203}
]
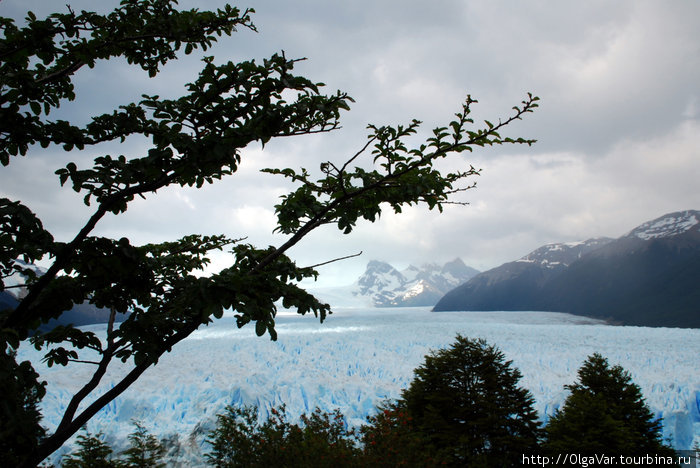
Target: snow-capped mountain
[
  {"x": 379, "y": 281},
  {"x": 385, "y": 286},
  {"x": 650, "y": 277},
  {"x": 382, "y": 285}
]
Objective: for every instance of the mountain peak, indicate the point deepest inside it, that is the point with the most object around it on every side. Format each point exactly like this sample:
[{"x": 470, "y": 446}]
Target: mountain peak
[
  {"x": 668, "y": 225},
  {"x": 384, "y": 286},
  {"x": 379, "y": 275}
]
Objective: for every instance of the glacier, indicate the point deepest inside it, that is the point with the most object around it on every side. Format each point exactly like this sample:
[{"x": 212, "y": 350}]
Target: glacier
[{"x": 360, "y": 357}]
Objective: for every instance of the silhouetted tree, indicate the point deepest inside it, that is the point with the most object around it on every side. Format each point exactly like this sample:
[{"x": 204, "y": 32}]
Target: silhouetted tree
[
  {"x": 321, "y": 440},
  {"x": 390, "y": 439},
  {"x": 20, "y": 418},
  {"x": 466, "y": 408},
  {"x": 93, "y": 453},
  {"x": 605, "y": 413},
  {"x": 145, "y": 450}
]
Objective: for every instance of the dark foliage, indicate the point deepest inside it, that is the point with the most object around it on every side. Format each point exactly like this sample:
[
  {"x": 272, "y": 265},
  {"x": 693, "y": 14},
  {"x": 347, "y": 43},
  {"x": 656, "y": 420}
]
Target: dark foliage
[
  {"x": 390, "y": 439},
  {"x": 145, "y": 451},
  {"x": 93, "y": 453},
  {"x": 322, "y": 440},
  {"x": 463, "y": 408},
  {"x": 20, "y": 393},
  {"x": 605, "y": 413}
]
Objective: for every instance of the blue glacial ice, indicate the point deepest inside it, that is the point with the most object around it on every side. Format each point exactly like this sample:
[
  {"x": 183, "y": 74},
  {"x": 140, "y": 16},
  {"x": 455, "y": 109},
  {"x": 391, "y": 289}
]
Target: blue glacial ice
[{"x": 358, "y": 358}]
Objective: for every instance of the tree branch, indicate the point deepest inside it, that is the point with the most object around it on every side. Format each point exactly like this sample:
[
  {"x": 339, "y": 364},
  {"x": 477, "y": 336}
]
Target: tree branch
[
  {"x": 335, "y": 260},
  {"x": 362, "y": 150},
  {"x": 64, "y": 432},
  {"x": 86, "y": 390},
  {"x": 80, "y": 361},
  {"x": 63, "y": 256}
]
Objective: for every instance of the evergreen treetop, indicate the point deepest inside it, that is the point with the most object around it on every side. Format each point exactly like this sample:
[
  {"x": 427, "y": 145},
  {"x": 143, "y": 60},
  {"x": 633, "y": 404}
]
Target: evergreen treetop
[
  {"x": 466, "y": 401},
  {"x": 605, "y": 413}
]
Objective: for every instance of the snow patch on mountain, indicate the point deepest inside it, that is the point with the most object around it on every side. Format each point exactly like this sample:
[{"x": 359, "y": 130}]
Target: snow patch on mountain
[
  {"x": 668, "y": 225},
  {"x": 561, "y": 255},
  {"x": 417, "y": 289}
]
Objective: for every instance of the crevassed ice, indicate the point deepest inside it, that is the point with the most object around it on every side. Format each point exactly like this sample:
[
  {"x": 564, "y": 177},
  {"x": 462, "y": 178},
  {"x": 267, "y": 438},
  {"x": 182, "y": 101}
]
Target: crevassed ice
[{"x": 360, "y": 357}]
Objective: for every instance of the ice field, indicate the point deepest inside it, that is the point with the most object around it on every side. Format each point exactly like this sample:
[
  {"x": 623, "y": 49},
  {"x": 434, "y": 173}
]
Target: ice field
[{"x": 358, "y": 358}]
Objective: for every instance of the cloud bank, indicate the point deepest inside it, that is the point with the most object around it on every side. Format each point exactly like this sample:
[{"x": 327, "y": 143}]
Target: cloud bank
[{"x": 618, "y": 128}]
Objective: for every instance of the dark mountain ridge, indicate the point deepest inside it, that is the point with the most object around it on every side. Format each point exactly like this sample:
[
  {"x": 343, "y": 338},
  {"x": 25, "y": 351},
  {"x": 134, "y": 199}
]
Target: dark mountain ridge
[
  {"x": 517, "y": 285},
  {"x": 649, "y": 277}
]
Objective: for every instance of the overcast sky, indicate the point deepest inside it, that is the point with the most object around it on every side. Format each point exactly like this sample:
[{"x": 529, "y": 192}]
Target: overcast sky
[{"x": 618, "y": 128}]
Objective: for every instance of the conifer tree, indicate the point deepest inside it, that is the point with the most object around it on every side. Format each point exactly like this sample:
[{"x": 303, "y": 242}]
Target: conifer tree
[
  {"x": 234, "y": 440},
  {"x": 466, "y": 404},
  {"x": 145, "y": 450},
  {"x": 605, "y": 413},
  {"x": 93, "y": 453}
]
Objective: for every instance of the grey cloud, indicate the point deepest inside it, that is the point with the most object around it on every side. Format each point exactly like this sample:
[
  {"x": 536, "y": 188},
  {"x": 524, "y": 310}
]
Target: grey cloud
[{"x": 617, "y": 126}]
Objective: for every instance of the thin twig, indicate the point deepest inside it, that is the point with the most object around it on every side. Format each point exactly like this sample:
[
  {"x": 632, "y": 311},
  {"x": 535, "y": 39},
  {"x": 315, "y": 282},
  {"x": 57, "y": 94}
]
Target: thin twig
[
  {"x": 335, "y": 260},
  {"x": 364, "y": 148},
  {"x": 85, "y": 362}
]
